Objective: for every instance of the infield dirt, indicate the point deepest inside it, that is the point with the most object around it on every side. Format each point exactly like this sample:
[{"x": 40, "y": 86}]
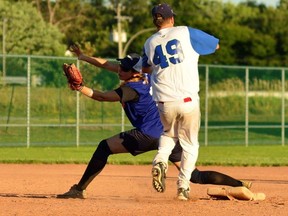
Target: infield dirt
[{"x": 29, "y": 190}]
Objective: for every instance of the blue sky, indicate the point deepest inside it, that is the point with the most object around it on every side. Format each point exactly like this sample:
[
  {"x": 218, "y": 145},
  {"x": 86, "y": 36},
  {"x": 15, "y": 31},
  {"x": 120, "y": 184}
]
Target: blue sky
[{"x": 267, "y": 2}]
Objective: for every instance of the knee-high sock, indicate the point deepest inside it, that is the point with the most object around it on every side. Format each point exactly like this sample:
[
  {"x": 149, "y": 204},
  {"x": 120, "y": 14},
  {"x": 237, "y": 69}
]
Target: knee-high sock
[
  {"x": 212, "y": 177},
  {"x": 95, "y": 165}
]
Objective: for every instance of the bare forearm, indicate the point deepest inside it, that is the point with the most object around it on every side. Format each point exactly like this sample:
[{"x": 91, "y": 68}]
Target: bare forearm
[
  {"x": 94, "y": 94},
  {"x": 98, "y": 95},
  {"x": 99, "y": 62},
  {"x": 87, "y": 91},
  {"x": 96, "y": 61}
]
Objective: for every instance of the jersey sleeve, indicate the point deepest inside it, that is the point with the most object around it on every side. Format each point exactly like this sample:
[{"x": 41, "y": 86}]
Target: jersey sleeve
[
  {"x": 127, "y": 94},
  {"x": 202, "y": 42}
]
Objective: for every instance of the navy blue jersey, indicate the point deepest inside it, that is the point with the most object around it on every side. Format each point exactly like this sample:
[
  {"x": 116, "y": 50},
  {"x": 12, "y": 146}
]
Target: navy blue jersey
[{"x": 143, "y": 113}]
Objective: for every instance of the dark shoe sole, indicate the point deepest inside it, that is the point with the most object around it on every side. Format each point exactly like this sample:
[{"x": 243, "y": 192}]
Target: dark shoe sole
[{"x": 158, "y": 181}]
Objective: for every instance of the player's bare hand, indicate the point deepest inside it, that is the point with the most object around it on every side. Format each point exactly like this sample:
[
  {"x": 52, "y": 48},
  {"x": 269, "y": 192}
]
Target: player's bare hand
[{"x": 75, "y": 49}]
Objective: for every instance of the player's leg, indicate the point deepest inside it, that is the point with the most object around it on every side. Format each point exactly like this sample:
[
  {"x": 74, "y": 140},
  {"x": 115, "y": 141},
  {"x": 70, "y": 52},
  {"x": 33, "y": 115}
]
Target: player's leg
[
  {"x": 207, "y": 177},
  {"x": 160, "y": 163},
  {"x": 132, "y": 141},
  {"x": 112, "y": 145},
  {"x": 169, "y": 138},
  {"x": 211, "y": 177},
  {"x": 167, "y": 142},
  {"x": 216, "y": 178},
  {"x": 188, "y": 128},
  {"x": 96, "y": 164}
]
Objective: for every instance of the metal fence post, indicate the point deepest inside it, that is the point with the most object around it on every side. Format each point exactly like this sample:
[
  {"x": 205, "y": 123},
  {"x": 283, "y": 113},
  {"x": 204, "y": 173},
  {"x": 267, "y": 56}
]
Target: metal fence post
[
  {"x": 283, "y": 108},
  {"x": 206, "y": 104},
  {"x": 78, "y": 112},
  {"x": 246, "y": 106},
  {"x": 28, "y": 99}
]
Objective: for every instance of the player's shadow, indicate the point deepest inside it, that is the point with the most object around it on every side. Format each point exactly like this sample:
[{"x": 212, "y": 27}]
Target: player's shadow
[
  {"x": 47, "y": 196},
  {"x": 27, "y": 195}
]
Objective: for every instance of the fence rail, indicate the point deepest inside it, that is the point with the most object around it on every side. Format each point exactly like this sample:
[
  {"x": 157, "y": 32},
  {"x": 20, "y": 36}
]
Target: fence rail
[{"x": 219, "y": 124}]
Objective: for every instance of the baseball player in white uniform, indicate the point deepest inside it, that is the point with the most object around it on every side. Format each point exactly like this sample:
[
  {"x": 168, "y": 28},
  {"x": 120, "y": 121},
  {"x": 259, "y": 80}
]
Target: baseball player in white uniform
[{"x": 171, "y": 56}]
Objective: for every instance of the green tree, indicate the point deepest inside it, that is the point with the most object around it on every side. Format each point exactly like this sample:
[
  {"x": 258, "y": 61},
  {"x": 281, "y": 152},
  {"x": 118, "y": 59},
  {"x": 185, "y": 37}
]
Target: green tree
[
  {"x": 79, "y": 20},
  {"x": 27, "y": 33},
  {"x": 249, "y": 33}
]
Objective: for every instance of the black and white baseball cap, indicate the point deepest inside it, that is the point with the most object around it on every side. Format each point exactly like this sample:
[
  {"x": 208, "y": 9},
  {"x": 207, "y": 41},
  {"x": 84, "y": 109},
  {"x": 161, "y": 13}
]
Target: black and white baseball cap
[{"x": 131, "y": 61}]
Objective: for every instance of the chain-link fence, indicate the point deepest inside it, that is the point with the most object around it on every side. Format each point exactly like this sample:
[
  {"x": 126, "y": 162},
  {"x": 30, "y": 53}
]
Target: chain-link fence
[{"x": 240, "y": 105}]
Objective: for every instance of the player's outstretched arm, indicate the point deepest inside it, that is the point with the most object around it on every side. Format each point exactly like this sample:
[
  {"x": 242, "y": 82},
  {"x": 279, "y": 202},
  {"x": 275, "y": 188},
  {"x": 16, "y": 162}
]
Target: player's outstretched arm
[
  {"x": 111, "y": 96},
  {"x": 75, "y": 82},
  {"x": 96, "y": 61}
]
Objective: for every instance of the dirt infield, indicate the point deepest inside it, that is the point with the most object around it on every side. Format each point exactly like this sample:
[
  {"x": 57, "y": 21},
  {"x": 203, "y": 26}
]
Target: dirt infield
[{"x": 126, "y": 190}]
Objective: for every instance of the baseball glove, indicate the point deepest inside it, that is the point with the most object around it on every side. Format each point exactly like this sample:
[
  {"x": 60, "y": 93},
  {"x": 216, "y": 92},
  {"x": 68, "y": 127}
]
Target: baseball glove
[{"x": 74, "y": 77}]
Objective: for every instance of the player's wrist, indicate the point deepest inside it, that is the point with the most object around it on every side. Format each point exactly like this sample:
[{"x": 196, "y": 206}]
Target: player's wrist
[
  {"x": 86, "y": 91},
  {"x": 80, "y": 87},
  {"x": 81, "y": 56}
]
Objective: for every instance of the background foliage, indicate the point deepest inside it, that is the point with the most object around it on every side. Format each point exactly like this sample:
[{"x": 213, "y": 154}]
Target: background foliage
[{"x": 250, "y": 33}]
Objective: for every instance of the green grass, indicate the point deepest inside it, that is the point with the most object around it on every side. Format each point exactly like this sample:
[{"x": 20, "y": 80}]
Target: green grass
[{"x": 213, "y": 155}]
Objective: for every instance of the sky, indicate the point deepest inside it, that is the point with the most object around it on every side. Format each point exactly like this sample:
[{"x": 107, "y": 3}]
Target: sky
[{"x": 267, "y": 2}]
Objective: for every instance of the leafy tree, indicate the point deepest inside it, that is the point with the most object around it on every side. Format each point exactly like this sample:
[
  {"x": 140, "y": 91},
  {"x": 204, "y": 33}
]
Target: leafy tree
[
  {"x": 27, "y": 33},
  {"x": 90, "y": 23},
  {"x": 75, "y": 19},
  {"x": 140, "y": 23}
]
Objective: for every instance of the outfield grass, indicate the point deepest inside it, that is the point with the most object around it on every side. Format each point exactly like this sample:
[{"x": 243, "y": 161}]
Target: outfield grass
[{"x": 211, "y": 155}]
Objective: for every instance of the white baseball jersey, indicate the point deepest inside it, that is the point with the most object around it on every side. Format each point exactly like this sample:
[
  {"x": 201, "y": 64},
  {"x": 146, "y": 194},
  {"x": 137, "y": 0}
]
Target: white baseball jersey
[{"x": 173, "y": 54}]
